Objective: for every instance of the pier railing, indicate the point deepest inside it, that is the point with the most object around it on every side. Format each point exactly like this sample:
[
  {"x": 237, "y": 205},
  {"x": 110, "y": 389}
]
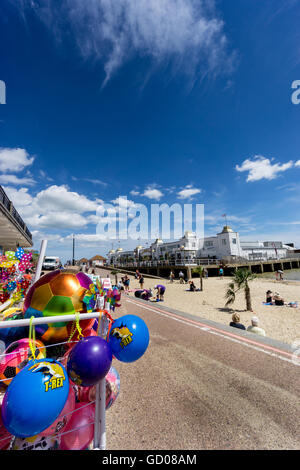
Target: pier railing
[
  {"x": 201, "y": 262},
  {"x": 166, "y": 263}
]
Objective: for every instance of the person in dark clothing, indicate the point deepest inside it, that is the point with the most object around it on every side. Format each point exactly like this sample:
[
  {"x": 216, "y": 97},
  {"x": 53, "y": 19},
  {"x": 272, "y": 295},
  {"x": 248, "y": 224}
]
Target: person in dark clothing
[
  {"x": 278, "y": 299},
  {"x": 141, "y": 282},
  {"x": 160, "y": 292},
  {"x": 143, "y": 294},
  {"x": 269, "y": 297},
  {"x": 236, "y": 322},
  {"x": 192, "y": 286}
]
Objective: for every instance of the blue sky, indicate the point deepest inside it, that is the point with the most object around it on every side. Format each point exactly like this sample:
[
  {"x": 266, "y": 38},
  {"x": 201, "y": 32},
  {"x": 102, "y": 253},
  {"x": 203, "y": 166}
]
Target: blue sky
[{"x": 162, "y": 101}]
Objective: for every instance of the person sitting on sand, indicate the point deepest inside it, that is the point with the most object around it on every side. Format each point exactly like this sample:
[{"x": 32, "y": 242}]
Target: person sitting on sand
[
  {"x": 278, "y": 300},
  {"x": 160, "y": 292},
  {"x": 269, "y": 297},
  {"x": 236, "y": 322},
  {"x": 192, "y": 286},
  {"x": 254, "y": 328}
]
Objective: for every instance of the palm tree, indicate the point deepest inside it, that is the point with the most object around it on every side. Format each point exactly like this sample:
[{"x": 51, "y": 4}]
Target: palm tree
[
  {"x": 115, "y": 272},
  {"x": 240, "y": 281},
  {"x": 200, "y": 271}
]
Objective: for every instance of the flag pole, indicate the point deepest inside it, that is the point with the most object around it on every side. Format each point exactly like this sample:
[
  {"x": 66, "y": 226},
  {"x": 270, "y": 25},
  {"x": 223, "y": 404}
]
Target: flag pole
[{"x": 40, "y": 260}]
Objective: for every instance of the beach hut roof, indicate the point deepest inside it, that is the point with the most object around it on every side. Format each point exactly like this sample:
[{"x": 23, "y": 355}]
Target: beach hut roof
[{"x": 97, "y": 257}]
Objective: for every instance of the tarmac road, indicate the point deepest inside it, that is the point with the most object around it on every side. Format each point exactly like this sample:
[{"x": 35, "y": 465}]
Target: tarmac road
[{"x": 201, "y": 387}]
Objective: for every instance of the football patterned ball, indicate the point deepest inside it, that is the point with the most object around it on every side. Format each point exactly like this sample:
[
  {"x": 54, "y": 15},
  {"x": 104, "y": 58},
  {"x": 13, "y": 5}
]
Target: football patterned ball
[
  {"x": 17, "y": 356},
  {"x": 56, "y": 293},
  {"x": 35, "y": 443}
]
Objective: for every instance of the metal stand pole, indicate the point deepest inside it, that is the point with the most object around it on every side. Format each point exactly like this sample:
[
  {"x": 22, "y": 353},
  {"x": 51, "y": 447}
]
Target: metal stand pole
[
  {"x": 40, "y": 260},
  {"x": 100, "y": 405},
  {"x": 73, "y": 253}
]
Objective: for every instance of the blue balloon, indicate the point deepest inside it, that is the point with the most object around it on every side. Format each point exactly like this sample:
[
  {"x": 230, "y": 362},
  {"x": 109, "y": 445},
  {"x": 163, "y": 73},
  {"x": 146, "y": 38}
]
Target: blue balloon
[
  {"x": 19, "y": 253},
  {"x": 39, "y": 329},
  {"x": 11, "y": 334},
  {"x": 35, "y": 397},
  {"x": 89, "y": 361},
  {"x": 129, "y": 338}
]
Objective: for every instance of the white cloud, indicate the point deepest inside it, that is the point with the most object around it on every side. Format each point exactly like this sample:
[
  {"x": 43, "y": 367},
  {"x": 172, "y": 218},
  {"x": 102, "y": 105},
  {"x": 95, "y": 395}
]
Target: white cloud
[
  {"x": 152, "y": 193},
  {"x": 187, "y": 33},
  {"x": 188, "y": 192},
  {"x": 19, "y": 197},
  {"x": 13, "y": 179},
  {"x": 297, "y": 163},
  {"x": 111, "y": 214},
  {"x": 60, "y": 198},
  {"x": 90, "y": 180},
  {"x": 45, "y": 176},
  {"x": 134, "y": 193},
  {"x": 54, "y": 208},
  {"x": 218, "y": 220},
  {"x": 58, "y": 220},
  {"x": 123, "y": 202},
  {"x": 14, "y": 159},
  {"x": 95, "y": 181},
  {"x": 37, "y": 236},
  {"x": 88, "y": 237},
  {"x": 262, "y": 168}
]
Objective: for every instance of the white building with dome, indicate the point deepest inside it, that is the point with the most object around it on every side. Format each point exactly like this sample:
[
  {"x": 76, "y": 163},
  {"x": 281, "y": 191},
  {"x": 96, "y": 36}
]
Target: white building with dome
[{"x": 226, "y": 244}]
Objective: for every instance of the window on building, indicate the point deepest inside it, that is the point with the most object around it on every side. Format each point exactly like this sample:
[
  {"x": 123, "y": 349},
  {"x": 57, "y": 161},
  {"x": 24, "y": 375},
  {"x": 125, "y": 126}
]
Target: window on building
[
  {"x": 234, "y": 241},
  {"x": 223, "y": 241},
  {"x": 209, "y": 243}
]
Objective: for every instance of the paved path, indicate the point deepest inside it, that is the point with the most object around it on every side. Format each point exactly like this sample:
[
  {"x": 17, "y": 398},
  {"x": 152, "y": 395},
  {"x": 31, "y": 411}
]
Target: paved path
[{"x": 201, "y": 386}]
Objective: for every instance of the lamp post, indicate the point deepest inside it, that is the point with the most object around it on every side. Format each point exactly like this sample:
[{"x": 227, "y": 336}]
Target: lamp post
[{"x": 73, "y": 257}]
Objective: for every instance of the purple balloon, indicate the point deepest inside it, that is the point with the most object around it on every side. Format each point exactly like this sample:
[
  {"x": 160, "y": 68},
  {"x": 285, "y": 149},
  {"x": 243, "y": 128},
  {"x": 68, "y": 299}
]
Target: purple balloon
[
  {"x": 89, "y": 361},
  {"x": 84, "y": 280}
]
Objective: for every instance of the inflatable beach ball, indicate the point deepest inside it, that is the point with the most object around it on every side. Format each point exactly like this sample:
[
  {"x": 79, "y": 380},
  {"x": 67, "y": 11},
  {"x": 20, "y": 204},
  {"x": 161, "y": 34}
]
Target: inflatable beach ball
[
  {"x": 8, "y": 335},
  {"x": 35, "y": 443},
  {"x": 112, "y": 386},
  {"x": 89, "y": 361},
  {"x": 35, "y": 398},
  {"x": 17, "y": 356},
  {"x": 129, "y": 338},
  {"x": 56, "y": 293}
]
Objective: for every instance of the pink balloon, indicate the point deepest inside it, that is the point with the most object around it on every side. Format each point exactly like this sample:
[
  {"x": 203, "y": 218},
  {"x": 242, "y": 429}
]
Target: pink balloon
[
  {"x": 5, "y": 436},
  {"x": 82, "y": 422},
  {"x": 89, "y": 332},
  {"x": 60, "y": 423},
  {"x": 83, "y": 394}
]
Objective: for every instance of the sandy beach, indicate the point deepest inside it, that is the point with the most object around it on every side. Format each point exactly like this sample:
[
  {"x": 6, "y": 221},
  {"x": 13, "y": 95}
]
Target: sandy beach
[{"x": 281, "y": 323}]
